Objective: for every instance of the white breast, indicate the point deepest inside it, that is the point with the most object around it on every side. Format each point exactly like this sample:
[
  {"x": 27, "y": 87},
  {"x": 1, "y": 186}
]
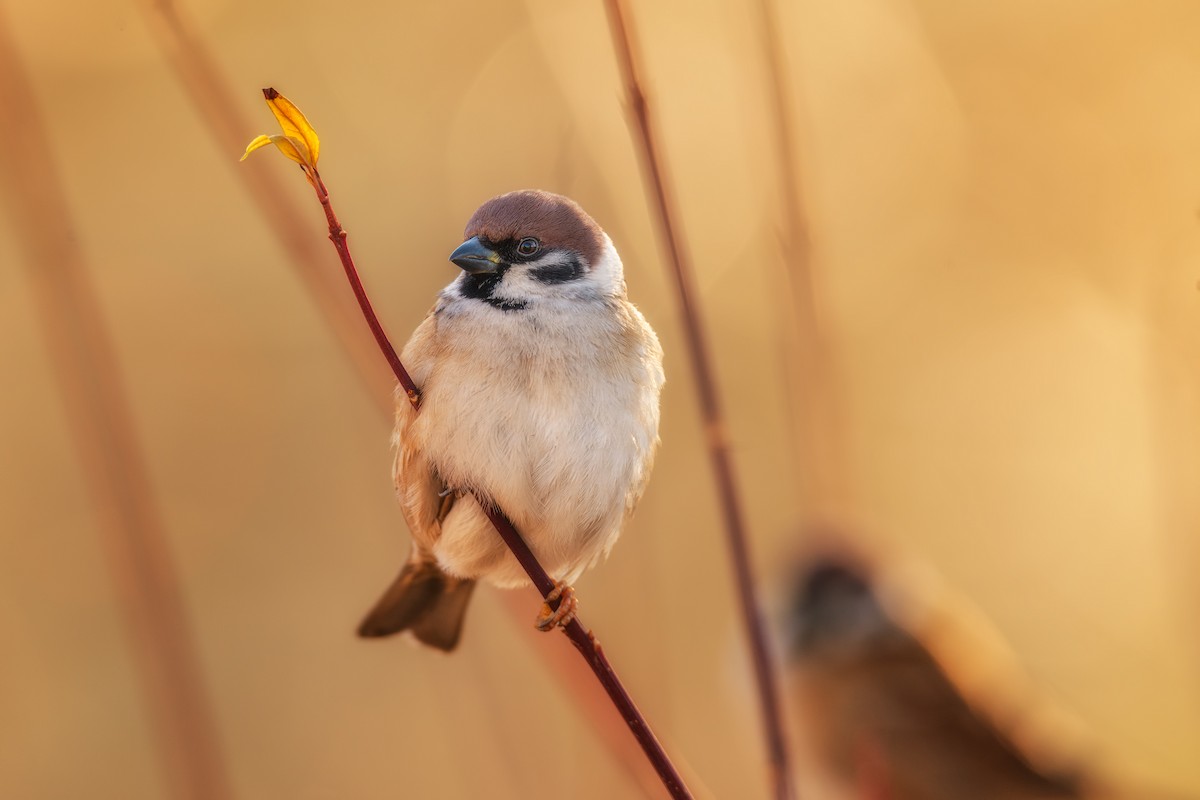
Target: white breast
[{"x": 553, "y": 413}]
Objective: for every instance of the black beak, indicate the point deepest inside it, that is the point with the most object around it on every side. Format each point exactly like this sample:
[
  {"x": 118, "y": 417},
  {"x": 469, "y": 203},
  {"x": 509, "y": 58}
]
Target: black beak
[{"x": 474, "y": 257}]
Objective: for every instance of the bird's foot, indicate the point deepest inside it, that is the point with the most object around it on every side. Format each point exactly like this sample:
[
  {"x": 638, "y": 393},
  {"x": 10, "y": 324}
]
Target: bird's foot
[{"x": 557, "y": 617}]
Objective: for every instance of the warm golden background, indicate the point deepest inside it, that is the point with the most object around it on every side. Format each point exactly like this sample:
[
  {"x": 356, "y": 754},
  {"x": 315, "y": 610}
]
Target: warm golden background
[{"x": 1002, "y": 201}]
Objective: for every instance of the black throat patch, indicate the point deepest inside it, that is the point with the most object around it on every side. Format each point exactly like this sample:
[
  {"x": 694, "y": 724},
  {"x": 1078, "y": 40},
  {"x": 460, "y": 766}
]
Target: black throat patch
[
  {"x": 504, "y": 304},
  {"x": 483, "y": 286}
]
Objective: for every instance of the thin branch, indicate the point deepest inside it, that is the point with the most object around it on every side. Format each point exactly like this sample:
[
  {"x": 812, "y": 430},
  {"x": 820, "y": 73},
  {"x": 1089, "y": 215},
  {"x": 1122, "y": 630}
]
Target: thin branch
[
  {"x": 584, "y": 641},
  {"x": 337, "y": 235},
  {"x": 587, "y": 645},
  {"x": 710, "y": 407},
  {"x": 129, "y": 522}
]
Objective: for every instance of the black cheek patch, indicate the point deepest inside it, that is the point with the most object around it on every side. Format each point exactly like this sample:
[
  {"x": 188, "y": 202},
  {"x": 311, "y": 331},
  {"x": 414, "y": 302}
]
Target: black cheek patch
[{"x": 569, "y": 270}]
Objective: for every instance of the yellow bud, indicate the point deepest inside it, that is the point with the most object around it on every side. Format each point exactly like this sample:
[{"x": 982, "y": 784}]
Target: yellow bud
[{"x": 299, "y": 141}]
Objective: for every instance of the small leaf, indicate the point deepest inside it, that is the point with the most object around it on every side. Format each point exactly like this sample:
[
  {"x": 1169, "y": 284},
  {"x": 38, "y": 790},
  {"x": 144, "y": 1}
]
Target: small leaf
[
  {"x": 262, "y": 140},
  {"x": 290, "y": 146}
]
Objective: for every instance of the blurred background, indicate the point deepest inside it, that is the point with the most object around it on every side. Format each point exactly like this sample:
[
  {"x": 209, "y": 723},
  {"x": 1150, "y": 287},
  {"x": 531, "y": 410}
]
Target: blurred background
[{"x": 1001, "y": 233}]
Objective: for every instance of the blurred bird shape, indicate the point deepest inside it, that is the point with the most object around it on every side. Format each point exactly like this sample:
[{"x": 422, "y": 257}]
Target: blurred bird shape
[{"x": 882, "y": 714}]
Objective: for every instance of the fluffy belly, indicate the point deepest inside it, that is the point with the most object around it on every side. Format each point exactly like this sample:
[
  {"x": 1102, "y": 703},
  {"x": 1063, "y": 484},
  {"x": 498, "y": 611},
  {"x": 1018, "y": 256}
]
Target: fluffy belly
[{"x": 560, "y": 468}]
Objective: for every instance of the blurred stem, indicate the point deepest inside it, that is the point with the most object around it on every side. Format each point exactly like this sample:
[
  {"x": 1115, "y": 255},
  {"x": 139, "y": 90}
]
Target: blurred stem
[
  {"x": 808, "y": 361},
  {"x": 715, "y": 428},
  {"x": 131, "y": 528},
  {"x": 583, "y": 639}
]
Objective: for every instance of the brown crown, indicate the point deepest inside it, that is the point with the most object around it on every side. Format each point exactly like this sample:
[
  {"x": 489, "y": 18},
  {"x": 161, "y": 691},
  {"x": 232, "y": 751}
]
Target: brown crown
[{"x": 552, "y": 219}]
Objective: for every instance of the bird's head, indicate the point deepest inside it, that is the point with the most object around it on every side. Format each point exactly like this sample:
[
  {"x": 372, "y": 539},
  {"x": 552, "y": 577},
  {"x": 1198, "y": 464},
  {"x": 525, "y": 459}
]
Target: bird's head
[{"x": 529, "y": 245}]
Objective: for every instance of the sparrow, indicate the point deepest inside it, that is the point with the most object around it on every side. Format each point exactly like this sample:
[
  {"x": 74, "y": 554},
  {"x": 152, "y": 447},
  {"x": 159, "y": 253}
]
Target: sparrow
[
  {"x": 540, "y": 387},
  {"x": 881, "y": 716}
]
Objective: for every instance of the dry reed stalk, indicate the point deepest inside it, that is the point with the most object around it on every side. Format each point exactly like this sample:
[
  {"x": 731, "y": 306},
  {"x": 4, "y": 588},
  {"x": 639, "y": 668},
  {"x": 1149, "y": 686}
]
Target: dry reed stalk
[
  {"x": 132, "y": 533},
  {"x": 715, "y": 429},
  {"x": 811, "y": 375}
]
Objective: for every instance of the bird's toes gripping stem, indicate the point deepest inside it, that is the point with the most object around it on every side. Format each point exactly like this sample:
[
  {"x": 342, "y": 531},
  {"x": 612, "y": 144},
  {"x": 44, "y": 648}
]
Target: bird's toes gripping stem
[{"x": 551, "y": 617}]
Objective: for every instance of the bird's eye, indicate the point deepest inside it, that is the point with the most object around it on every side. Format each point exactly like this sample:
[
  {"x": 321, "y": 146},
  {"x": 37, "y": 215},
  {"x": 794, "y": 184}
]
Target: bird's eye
[{"x": 528, "y": 246}]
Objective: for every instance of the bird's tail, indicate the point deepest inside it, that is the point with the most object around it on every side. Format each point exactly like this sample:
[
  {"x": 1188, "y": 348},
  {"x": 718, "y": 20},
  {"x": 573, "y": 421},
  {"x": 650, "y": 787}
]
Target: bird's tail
[{"x": 425, "y": 600}]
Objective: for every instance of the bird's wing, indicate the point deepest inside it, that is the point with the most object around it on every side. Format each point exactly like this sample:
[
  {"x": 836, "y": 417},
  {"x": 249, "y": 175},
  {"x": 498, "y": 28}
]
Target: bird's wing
[
  {"x": 646, "y": 352},
  {"x": 417, "y": 484}
]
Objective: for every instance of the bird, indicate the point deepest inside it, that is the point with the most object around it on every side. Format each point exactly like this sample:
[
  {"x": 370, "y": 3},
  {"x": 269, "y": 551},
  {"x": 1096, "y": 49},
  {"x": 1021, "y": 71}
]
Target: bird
[
  {"x": 539, "y": 387},
  {"x": 882, "y": 716}
]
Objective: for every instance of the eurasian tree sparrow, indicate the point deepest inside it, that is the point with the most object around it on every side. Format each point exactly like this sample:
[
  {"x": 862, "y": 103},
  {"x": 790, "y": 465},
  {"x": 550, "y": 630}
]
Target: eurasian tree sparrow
[
  {"x": 881, "y": 718},
  {"x": 540, "y": 390}
]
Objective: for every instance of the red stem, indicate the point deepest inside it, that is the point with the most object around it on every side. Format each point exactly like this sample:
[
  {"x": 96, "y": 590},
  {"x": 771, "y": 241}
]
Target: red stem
[
  {"x": 585, "y": 642},
  {"x": 710, "y": 407},
  {"x": 582, "y": 638},
  {"x": 337, "y": 235}
]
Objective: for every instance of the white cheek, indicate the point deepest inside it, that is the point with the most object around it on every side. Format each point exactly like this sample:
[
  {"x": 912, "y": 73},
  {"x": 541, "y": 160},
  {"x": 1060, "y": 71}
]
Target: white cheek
[
  {"x": 605, "y": 278},
  {"x": 608, "y": 273},
  {"x": 519, "y": 283}
]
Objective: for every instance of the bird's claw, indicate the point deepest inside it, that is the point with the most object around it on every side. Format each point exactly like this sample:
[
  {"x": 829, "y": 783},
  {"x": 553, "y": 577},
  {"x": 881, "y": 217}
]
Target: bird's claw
[{"x": 551, "y": 618}]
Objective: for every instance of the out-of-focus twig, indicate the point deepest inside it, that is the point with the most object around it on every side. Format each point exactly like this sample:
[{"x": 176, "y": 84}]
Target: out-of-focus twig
[
  {"x": 131, "y": 527},
  {"x": 221, "y": 114},
  {"x": 710, "y": 405},
  {"x": 583, "y": 639},
  {"x": 810, "y": 367}
]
